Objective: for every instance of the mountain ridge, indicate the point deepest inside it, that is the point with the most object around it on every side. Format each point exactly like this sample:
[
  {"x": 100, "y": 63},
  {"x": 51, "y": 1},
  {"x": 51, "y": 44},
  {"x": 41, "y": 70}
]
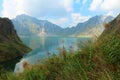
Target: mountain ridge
[
  {"x": 93, "y": 22},
  {"x": 27, "y": 25},
  {"x": 33, "y": 26}
]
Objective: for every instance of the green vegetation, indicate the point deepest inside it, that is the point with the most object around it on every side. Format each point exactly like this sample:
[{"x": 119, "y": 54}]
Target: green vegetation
[
  {"x": 11, "y": 47},
  {"x": 12, "y": 52},
  {"x": 95, "y": 61}
]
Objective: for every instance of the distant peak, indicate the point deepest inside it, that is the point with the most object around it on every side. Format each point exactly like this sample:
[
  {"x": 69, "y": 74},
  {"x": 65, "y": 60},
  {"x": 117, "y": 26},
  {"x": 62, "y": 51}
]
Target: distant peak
[
  {"x": 99, "y": 16},
  {"x": 23, "y": 15},
  {"x": 102, "y": 17}
]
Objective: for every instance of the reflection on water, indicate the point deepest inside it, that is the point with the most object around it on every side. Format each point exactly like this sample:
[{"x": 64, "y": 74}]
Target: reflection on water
[
  {"x": 41, "y": 45},
  {"x": 42, "y": 41}
]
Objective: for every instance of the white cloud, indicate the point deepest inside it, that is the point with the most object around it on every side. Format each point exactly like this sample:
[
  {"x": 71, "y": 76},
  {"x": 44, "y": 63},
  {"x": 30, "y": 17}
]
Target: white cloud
[
  {"x": 59, "y": 21},
  {"x": 67, "y": 5},
  {"x": 37, "y": 8},
  {"x": 113, "y": 13},
  {"x": 10, "y": 8},
  {"x": 77, "y": 1},
  {"x": 110, "y": 5},
  {"x": 84, "y": 1},
  {"x": 104, "y": 5},
  {"x": 80, "y": 1},
  {"x": 63, "y": 19},
  {"x": 95, "y": 5},
  {"x": 77, "y": 18},
  {"x": 110, "y": 13}
]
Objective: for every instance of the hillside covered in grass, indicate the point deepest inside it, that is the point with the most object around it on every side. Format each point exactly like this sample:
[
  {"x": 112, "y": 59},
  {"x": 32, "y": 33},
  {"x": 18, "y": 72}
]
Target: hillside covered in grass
[
  {"x": 94, "y": 61},
  {"x": 11, "y": 47}
]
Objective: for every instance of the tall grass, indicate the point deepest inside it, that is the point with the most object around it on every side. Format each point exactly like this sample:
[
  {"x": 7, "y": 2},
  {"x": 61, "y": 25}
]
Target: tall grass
[{"x": 95, "y": 61}]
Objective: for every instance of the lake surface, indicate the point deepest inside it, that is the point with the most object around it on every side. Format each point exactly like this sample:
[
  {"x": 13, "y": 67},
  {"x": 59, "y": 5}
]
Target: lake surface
[{"x": 42, "y": 45}]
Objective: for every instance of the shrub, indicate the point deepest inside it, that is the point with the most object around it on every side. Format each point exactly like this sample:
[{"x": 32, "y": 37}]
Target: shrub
[{"x": 106, "y": 25}]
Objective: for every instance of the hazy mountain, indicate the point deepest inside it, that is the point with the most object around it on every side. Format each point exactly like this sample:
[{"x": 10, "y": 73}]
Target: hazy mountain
[
  {"x": 11, "y": 47},
  {"x": 26, "y": 25},
  {"x": 94, "y": 26}
]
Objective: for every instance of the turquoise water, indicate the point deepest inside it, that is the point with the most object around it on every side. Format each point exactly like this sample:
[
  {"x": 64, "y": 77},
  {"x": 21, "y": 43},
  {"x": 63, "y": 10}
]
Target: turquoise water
[{"x": 41, "y": 45}]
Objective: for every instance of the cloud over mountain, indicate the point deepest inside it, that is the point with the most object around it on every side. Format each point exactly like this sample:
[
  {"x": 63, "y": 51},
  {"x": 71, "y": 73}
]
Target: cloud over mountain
[
  {"x": 110, "y": 6},
  {"x": 38, "y": 8},
  {"x": 62, "y": 12}
]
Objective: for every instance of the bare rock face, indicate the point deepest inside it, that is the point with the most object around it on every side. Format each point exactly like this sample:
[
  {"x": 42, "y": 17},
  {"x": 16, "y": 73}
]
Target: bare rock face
[{"x": 11, "y": 46}]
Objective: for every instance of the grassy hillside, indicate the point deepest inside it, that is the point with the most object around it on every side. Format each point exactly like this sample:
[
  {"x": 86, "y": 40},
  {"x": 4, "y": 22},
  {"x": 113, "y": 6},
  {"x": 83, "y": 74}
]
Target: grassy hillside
[{"x": 11, "y": 47}]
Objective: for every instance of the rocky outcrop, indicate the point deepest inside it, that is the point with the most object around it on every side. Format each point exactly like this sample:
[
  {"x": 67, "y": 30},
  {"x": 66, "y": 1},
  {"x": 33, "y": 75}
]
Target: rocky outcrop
[
  {"x": 7, "y": 30},
  {"x": 11, "y": 46}
]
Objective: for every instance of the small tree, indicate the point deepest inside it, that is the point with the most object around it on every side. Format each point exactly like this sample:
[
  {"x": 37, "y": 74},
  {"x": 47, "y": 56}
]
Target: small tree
[{"x": 106, "y": 25}]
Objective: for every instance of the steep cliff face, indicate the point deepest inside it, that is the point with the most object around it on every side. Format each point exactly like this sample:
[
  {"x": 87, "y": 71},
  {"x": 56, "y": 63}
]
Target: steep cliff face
[
  {"x": 113, "y": 27},
  {"x": 11, "y": 46},
  {"x": 29, "y": 26},
  {"x": 7, "y": 31}
]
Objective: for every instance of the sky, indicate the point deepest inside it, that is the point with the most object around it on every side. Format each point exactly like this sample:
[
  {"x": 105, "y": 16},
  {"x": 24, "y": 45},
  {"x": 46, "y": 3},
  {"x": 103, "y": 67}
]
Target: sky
[{"x": 65, "y": 13}]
